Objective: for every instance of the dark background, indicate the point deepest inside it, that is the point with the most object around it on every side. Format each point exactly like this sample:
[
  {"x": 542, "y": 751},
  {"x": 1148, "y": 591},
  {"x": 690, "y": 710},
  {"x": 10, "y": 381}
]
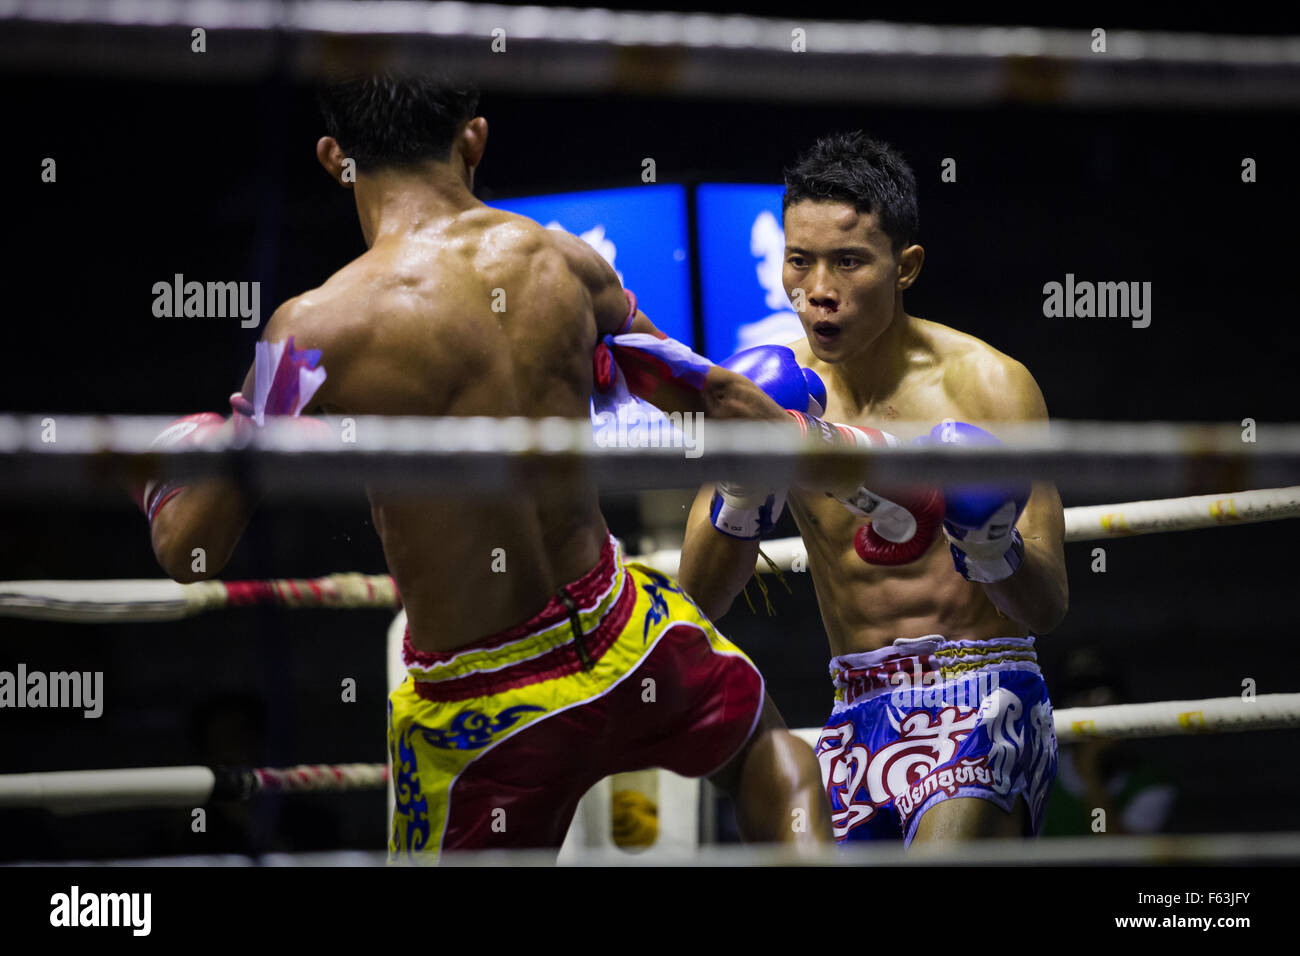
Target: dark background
[{"x": 219, "y": 180}]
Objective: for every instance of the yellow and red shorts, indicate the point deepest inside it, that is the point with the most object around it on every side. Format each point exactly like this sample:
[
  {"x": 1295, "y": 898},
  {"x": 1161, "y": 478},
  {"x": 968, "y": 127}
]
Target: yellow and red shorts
[{"x": 494, "y": 743}]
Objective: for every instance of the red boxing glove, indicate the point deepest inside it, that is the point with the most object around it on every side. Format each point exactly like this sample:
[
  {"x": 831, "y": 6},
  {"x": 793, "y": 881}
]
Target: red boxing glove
[
  {"x": 904, "y": 523},
  {"x": 190, "y": 430},
  {"x": 902, "y": 526}
]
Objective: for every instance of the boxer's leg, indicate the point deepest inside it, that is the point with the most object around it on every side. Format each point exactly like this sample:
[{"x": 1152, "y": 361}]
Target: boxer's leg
[
  {"x": 712, "y": 717},
  {"x": 970, "y": 818},
  {"x": 776, "y": 785}
]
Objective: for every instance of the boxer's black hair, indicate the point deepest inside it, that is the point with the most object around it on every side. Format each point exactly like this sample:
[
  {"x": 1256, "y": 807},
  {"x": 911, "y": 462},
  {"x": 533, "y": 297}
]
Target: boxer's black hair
[
  {"x": 867, "y": 174},
  {"x": 395, "y": 119}
]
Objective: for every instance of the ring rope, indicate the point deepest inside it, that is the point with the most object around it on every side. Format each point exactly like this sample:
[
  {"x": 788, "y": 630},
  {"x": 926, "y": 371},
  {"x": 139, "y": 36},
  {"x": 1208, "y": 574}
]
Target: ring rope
[
  {"x": 564, "y": 49},
  {"x": 320, "y": 777},
  {"x": 1085, "y": 523},
  {"x": 89, "y": 791},
  {"x": 149, "y": 599},
  {"x": 163, "y": 600},
  {"x": 99, "y": 456},
  {"x": 93, "y": 791}
]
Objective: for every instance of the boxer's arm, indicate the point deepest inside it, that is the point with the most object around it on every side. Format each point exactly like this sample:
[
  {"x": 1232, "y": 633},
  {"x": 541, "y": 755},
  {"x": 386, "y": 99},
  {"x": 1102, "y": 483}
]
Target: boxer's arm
[
  {"x": 208, "y": 517},
  {"x": 714, "y": 566},
  {"x": 196, "y": 532},
  {"x": 725, "y": 393},
  {"x": 1038, "y": 594}
]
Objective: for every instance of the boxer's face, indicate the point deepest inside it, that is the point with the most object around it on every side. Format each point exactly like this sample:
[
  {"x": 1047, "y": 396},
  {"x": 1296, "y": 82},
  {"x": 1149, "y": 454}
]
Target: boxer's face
[{"x": 848, "y": 272}]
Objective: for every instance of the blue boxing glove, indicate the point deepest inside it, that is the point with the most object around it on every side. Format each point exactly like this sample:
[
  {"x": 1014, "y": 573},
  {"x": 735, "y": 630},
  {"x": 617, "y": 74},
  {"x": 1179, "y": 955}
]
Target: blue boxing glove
[
  {"x": 775, "y": 370},
  {"x": 742, "y": 511},
  {"x": 980, "y": 520}
]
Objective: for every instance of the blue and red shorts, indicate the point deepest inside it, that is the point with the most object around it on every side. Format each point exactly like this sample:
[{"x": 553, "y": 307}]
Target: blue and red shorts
[
  {"x": 494, "y": 743},
  {"x": 925, "y": 720}
]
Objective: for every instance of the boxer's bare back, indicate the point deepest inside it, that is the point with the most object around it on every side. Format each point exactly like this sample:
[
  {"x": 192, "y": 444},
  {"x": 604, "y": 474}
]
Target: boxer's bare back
[{"x": 410, "y": 328}]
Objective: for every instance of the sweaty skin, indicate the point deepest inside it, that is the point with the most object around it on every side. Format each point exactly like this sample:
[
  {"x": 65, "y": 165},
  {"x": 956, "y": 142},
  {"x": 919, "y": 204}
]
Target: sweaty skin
[
  {"x": 948, "y": 375},
  {"x": 409, "y": 328},
  {"x": 883, "y": 367}
]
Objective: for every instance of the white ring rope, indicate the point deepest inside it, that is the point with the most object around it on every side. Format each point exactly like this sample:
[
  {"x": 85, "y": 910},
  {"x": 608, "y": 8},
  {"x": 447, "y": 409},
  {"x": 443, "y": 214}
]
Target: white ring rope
[
  {"x": 585, "y": 50},
  {"x": 1219, "y": 715},
  {"x": 650, "y": 27},
  {"x": 86, "y": 791},
  {"x": 56, "y": 455},
  {"x": 149, "y": 599},
  {"x": 94, "y": 791},
  {"x": 1166, "y": 718},
  {"x": 161, "y": 600},
  {"x": 1085, "y": 523}
]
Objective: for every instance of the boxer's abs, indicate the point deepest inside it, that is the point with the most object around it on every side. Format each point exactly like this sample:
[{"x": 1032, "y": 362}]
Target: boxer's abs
[{"x": 865, "y": 607}]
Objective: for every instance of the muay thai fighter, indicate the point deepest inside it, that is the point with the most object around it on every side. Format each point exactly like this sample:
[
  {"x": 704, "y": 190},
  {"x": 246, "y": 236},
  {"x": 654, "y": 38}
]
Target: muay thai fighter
[
  {"x": 525, "y": 687},
  {"x": 941, "y": 726}
]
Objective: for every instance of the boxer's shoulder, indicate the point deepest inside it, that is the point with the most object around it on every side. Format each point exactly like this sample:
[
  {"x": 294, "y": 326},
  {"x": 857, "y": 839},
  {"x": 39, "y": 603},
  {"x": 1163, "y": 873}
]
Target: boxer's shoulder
[
  {"x": 978, "y": 379},
  {"x": 503, "y": 237},
  {"x": 378, "y": 341},
  {"x": 597, "y": 276},
  {"x": 325, "y": 316},
  {"x": 510, "y": 240},
  {"x": 510, "y": 245},
  {"x": 583, "y": 259}
]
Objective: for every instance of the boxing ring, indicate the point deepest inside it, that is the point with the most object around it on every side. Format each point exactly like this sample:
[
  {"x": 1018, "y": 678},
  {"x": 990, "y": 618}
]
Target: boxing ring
[
  {"x": 1188, "y": 475},
  {"x": 95, "y": 451}
]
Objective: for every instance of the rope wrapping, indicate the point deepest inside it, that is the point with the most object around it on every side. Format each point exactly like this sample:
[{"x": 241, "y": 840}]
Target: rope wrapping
[
  {"x": 86, "y": 791},
  {"x": 161, "y": 600},
  {"x": 332, "y": 778}
]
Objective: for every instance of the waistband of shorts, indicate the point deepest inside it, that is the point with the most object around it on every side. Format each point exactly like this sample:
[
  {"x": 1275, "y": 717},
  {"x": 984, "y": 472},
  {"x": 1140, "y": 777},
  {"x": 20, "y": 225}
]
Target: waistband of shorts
[
  {"x": 542, "y": 648},
  {"x": 916, "y": 661}
]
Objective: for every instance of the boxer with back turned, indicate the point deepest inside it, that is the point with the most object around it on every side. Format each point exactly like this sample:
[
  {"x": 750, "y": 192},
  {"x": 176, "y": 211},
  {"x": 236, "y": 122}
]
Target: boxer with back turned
[{"x": 526, "y": 687}]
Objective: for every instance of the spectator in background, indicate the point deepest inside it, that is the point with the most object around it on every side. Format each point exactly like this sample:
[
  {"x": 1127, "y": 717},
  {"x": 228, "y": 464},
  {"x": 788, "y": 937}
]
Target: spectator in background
[{"x": 1101, "y": 773}]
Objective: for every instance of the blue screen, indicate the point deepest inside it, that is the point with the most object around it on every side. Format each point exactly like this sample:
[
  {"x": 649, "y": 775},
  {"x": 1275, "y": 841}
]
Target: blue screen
[
  {"x": 742, "y": 247},
  {"x": 641, "y": 232}
]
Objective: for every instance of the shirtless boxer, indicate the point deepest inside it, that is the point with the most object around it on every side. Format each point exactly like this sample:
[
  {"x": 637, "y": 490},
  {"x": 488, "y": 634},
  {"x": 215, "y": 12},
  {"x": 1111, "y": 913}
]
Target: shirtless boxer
[
  {"x": 974, "y": 758},
  {"x": 525, "y": 687}
]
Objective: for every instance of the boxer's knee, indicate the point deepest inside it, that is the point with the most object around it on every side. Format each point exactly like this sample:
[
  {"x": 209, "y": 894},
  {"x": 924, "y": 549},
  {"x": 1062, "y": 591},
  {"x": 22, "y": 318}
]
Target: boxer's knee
[
  {"x": 775, "y": 783},
  {"x": 972, "y": 818}
]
